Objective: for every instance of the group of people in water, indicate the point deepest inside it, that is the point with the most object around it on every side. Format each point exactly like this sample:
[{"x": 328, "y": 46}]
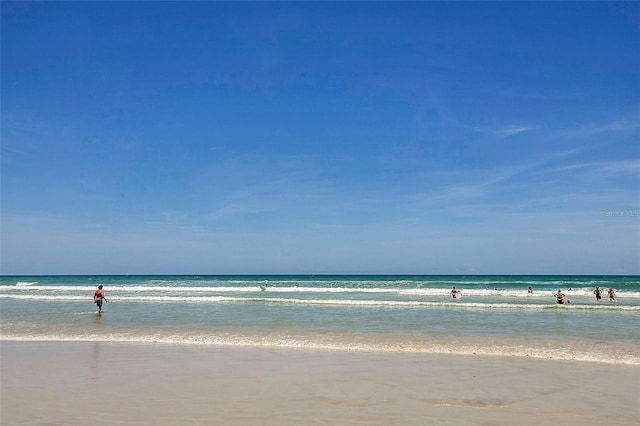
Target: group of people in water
[
  {"x": 98, "y": 296},
  {"x": 598, "y": 292},
  {"x": 559, "y": 294},
  {"x": 610, "y": 293}
]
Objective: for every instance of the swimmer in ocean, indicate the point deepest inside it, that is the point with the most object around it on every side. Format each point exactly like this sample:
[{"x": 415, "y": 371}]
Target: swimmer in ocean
[
  {"x": 454, "y": 293},
  {"x": 559, "y": 297},
  {"x": 598, "y": 293}
]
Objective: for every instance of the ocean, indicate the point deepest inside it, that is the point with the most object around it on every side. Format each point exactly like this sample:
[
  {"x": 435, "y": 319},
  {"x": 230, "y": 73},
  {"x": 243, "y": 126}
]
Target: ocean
[{"x": 492, "y": 316}]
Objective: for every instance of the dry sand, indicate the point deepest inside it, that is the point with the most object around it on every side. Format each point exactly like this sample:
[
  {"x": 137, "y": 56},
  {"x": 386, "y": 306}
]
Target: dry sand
[{"x": 125, "y": 384}]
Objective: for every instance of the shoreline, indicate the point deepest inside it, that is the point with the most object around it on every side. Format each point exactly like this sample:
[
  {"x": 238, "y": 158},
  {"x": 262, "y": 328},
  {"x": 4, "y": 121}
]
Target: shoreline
[
  {"x": 164, "y": 384},
  {"x": 515, "y": 350}
]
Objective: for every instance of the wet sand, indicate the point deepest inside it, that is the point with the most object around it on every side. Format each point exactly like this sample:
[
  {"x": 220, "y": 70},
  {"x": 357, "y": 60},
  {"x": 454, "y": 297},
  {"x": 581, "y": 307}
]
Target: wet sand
[{"x": 102, "y": 383}]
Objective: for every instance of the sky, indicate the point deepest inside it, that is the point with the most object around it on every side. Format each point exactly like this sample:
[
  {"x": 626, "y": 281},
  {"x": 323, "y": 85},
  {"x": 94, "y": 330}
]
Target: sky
[{"x": 320, "y": 138}]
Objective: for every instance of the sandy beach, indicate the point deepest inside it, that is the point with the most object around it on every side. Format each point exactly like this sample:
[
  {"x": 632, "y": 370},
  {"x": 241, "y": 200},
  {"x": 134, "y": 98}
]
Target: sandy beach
[{"x": 102, "y": 383}]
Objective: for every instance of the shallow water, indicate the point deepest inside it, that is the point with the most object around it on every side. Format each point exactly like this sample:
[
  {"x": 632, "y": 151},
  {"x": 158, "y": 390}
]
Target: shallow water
[{"x": 495, "y": 315}]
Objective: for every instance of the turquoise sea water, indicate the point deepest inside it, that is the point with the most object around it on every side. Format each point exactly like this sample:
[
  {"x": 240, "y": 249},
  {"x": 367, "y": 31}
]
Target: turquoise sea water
[{"x": 495, "y": 315}]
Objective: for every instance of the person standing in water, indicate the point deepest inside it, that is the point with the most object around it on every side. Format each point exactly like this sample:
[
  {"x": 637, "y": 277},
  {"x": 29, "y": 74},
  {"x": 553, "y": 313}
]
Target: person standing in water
[
  {"x": 559, "y": 297},
  {"x": 454, "y": 293},
  {"x": 612, "y": 294},
  {"x": 598, "y": 293},
  {"x": 98, "y": 297}
]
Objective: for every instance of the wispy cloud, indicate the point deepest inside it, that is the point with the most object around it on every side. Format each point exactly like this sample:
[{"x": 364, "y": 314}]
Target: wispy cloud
[
  {"x": 480, "y": 182},
  {"x": 624, "y": 167},
  {"x": 630, "y": 167},
  {"x": 514, "y": 130},
  {"x": 617, "y": 126}
]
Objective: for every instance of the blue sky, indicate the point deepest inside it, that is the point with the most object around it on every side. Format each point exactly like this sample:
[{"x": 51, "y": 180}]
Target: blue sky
[{"x": 202, "y": 137}]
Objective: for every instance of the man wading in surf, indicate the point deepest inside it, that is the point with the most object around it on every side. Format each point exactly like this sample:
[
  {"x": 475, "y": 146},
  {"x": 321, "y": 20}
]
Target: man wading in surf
[{"x": 98, "y": 297}]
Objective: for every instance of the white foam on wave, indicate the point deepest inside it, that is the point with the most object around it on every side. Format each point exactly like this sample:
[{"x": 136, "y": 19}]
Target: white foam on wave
[
  {"x": 215, "y": 289},
  {"x": 26, "y": 283},
  {"x": 414, "y": 292},
  {"x": 292, "y": 342},
  {"x": 43, "y": 288},
  {"x": 459, "y": 304},
  {"x": 42, "y": 297}
]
